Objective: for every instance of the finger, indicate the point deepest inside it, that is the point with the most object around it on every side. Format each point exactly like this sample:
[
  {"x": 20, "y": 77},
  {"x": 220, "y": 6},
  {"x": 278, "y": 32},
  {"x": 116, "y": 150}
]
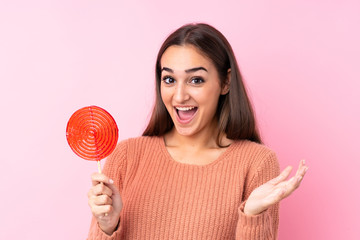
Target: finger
[
  {"x": 301, "y": 164},
  {"x": 282, "y": 176},
  {"x": 101, "y": 189},
  {"x": 282, "y": 190},
  {"x": 291, "y": 185},
  {"x": 276, "y": 196},
  {"x": 302, "y": 172},
  {"x": 102, "y": 200},
  {"x": 114, "y": 189},
  {"x": 302, "y": 169},
  {"x": 101, "y": 210},
  {"x": 97, "y": 178},
  {"x": 285, "y": 188}
]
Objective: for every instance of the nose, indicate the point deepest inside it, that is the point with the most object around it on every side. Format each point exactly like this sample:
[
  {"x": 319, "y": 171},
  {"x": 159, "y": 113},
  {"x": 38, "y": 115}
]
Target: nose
[{"x": 181, "y": 94}]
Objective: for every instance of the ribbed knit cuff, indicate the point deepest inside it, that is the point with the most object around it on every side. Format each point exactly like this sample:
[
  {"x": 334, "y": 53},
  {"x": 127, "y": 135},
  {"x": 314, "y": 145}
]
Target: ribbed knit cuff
[
  {"x": 97, "y": 234},
  {"x": 254, "y": 227}
]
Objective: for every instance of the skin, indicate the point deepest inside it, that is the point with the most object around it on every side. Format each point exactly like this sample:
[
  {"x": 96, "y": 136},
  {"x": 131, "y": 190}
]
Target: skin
[
  {"x": 190, "y": 79},
  {"x": 274, "y": 190},
  {"x": 186, "y": 83},
  {"x": 105, "y": 202}
]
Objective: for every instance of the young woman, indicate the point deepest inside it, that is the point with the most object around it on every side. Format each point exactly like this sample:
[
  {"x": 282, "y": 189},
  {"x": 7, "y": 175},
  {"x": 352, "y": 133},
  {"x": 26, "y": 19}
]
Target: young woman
[{"x": 200, "y": 170}]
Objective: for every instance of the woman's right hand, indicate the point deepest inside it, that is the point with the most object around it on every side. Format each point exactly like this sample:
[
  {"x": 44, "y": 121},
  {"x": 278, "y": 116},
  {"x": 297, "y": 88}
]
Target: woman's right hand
[{"x": 105, "y": 202}]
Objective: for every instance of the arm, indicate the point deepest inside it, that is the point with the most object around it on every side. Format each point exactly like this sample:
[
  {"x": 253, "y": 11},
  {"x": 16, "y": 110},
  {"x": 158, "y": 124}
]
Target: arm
[
  {"x": 264, "y": 225},
  {"x": 104, "y": 197},
  {"x": 259, "y": 215}
]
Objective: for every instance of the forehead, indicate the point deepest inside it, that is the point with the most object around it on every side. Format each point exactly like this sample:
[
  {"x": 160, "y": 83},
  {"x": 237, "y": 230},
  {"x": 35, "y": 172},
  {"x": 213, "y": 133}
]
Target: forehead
[{"x": 184, "y": 57}]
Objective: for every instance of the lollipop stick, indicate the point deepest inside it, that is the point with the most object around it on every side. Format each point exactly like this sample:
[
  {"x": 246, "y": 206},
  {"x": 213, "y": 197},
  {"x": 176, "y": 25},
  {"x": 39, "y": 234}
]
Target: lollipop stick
[{"x": 99, "y": 166}]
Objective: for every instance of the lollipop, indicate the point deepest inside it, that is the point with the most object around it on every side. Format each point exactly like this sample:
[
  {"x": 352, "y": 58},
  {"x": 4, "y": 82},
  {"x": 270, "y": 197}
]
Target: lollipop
[{"x": 92, "y": 133}]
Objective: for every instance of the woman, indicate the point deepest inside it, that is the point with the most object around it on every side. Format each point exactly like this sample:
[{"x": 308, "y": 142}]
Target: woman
[{"x": 200, "y": 170}]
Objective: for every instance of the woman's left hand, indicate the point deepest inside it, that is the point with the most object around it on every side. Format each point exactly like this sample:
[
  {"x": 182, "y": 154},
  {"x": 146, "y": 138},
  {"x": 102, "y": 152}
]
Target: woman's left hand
[{"x": 274, "y": 190}]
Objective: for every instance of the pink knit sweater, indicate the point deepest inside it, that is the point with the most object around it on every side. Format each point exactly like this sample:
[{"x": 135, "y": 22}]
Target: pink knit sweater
[{"x": 165, "y": 199}]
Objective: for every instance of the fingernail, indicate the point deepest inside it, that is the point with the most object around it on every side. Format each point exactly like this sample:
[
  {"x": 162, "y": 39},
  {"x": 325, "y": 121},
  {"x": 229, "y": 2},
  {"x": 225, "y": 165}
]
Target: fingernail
[
  {"x": 111, "y": 181},
  {"x": 306, "y": 169},
  {"x": 304, "y": 161}
]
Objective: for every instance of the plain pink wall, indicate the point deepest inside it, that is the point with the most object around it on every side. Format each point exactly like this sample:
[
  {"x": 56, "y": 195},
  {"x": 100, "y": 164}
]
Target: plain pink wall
[{"x": 300, "y": 60}]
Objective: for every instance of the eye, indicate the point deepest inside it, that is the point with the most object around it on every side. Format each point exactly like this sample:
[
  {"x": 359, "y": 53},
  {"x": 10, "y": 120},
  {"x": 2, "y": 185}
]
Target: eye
[
  {"x": 197, "y": 80},
  {"x": 168, "y": 80}
]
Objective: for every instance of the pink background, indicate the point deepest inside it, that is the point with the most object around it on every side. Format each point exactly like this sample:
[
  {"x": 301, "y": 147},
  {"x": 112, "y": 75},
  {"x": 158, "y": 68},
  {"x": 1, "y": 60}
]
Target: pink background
[{"x": 300, "y": 60}]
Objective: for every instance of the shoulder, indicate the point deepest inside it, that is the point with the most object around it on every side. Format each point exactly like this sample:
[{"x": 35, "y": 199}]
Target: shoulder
[
  {"x": 253, "y": 154},
  {"x": 142, "y": 141},
  {"x": 127, "y": 150},
  {"x": 131, "y": 145},
  {"x": 251, "y": 149}
]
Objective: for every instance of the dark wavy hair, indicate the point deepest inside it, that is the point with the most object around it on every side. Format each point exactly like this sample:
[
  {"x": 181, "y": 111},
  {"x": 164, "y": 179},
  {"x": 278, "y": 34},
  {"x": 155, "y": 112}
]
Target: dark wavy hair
[{"x": 234, "y": 113}]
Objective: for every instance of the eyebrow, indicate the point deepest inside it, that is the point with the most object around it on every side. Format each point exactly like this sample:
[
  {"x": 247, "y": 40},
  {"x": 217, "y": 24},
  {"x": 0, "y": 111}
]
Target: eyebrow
[{"x": 187, "y": 70}]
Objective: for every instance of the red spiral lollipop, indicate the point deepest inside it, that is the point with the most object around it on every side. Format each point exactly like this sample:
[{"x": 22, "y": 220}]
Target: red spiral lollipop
[{"x": 92, "y": 133}]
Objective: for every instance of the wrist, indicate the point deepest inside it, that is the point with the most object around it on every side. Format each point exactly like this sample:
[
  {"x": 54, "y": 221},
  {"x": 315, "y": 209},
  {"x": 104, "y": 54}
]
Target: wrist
[
  {"x": 252, "y": 211},
  {"x": 248, "y": 212},
  {"x": 109, "y": 229}
]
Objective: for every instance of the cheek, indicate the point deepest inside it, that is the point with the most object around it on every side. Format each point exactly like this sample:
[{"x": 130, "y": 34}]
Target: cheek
[
  {"x": 208, "y": 97},
  {"x": 165, "y": 95}
]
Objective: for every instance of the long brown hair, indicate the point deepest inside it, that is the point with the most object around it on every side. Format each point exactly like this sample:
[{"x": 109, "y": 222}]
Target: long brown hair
[{"x": 234, "y": 112}]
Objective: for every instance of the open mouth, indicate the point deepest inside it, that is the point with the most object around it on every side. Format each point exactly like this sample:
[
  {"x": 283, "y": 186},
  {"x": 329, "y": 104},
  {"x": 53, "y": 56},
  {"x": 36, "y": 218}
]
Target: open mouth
[{"x": 185, "y": 114}]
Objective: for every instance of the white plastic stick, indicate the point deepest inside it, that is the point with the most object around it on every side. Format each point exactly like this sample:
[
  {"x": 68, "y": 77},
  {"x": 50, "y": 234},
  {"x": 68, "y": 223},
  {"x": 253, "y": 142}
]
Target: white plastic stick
[{"x": 99, "y": 166}]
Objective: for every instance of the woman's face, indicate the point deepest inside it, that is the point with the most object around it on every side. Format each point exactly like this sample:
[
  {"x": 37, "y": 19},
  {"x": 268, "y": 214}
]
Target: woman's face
[{"x": 190, "y": 89}]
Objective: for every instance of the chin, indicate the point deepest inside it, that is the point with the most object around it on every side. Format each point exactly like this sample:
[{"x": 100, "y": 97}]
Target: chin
[{"x": 184, "y": 131}]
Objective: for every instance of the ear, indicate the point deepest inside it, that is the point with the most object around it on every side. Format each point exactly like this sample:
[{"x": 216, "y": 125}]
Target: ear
[{"x": 226, "y": 86}]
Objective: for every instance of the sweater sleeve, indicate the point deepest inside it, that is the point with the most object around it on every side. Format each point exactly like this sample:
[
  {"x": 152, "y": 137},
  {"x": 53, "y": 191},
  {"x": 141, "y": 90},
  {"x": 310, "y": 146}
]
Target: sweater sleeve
[
  {"x": 263, "y": 226},
  {"x": 115, "y": 168}
]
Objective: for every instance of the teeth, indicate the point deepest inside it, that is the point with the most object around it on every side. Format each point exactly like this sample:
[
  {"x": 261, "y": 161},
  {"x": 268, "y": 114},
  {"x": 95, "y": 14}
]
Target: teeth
[{"x": 184, "y": 108}]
